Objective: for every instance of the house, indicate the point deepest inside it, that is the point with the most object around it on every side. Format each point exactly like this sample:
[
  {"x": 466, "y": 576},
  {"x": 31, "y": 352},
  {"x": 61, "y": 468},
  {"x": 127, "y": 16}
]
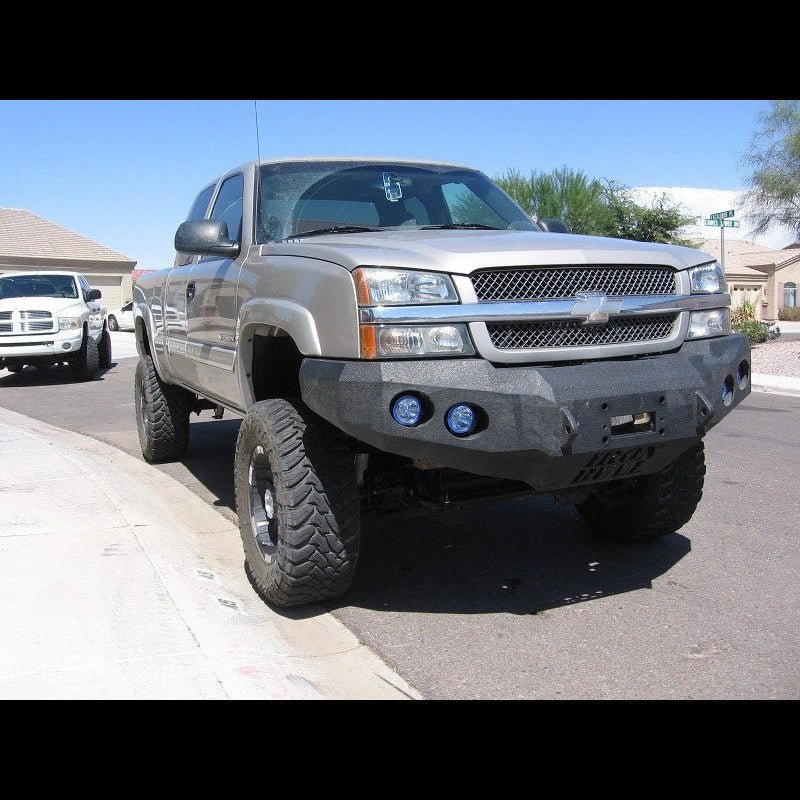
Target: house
[
  {"x": 29, "y": 242},
  {"x": 767, "y": 277}
]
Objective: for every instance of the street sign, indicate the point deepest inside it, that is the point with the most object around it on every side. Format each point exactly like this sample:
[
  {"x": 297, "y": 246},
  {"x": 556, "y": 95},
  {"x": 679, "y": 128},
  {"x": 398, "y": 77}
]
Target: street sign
[
  {"x": 713, "y": 222},
  {"x": 722, "y": 214},
  {"x": 731, "y": 223}
]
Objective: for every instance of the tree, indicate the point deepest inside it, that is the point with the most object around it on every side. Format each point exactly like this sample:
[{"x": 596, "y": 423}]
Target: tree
[
  {"x": 594, "y": 207},
  {"x": 774, "y": 163}
]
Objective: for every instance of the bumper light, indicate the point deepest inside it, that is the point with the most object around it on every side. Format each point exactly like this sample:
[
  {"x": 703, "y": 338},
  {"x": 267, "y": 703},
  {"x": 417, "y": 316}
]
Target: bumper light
[
  {"x": 703, "y": 324},
  {"x": 407, "y": 410},
  {"x": 461, "y": 420},
  {"x": 414, "y": 341}
]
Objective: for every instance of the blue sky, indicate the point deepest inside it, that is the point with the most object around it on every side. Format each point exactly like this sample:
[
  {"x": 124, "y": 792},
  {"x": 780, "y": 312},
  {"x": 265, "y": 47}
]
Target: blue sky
[{"x": 125, "y": 172}]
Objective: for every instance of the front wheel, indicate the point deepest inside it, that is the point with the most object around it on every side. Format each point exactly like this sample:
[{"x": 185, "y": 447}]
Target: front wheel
[
  {"x": 162, "y": 414},
  {"x": 638, "y": 509},
  {"x": 87, "y": 360},
  {"x": 104, "y": 349},
  {"x": 297, "y": 502}
]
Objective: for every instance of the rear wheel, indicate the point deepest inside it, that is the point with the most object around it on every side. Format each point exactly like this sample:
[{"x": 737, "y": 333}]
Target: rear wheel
[
  {"x": 14, "y": 367},
  {"x": 113, "y": 325},
  {"x": 104, "y": 349},
  {"x": 85, "y": 363},
  {"x": 297, "y": 502},
  {"x": 638, "y": 509},
  {"x": 162, "y": 414}
]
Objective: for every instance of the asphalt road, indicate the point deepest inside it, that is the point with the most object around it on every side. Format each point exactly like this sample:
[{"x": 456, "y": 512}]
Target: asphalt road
[{"x": 518, "y": 599}]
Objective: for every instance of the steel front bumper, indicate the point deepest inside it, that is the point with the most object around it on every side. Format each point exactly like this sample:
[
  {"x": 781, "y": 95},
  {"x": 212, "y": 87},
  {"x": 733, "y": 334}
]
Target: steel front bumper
[
  {"x": 43, "y": 344},
  {"x": 548, "y": 425}
]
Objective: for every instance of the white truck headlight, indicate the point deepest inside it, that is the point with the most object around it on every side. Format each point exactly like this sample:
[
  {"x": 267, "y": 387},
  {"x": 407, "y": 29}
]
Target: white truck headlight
[
  {"x": 69, "y": 323},
  {"x": 716, "y": 322},
  {"x": 401, "y": 287},
  {"x": 707, "y": 279},
  {"x": 415, "y": 341}
]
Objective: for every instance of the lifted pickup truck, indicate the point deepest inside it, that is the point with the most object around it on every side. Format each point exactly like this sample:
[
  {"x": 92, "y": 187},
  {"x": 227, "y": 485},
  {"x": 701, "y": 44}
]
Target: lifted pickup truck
[
  {"x": 47, "y": 318},
  {"x": 401, "y": 335}
]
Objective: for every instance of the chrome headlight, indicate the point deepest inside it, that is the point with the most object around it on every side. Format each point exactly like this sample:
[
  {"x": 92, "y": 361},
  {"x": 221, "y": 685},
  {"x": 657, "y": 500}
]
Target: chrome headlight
[
  {"x": 707, "y": 279},
  {"x": 69, "y": 323},
  {"x": 415, "y": 341},
  {"x": 400, "y": 287},
  {"x": 716, "y": 322}
]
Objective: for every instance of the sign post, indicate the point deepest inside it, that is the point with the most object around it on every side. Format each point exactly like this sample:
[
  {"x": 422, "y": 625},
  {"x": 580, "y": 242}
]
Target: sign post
[{"x": 721, "y": 220}]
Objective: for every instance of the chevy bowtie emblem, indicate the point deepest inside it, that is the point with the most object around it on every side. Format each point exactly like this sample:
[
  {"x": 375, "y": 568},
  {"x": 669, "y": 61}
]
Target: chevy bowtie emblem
[{"x": 595, "y": 307}]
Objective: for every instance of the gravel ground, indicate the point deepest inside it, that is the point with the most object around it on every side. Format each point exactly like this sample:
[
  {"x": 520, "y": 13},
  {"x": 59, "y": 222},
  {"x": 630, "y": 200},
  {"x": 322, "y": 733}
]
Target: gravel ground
[{"x": 777, "y": 358}]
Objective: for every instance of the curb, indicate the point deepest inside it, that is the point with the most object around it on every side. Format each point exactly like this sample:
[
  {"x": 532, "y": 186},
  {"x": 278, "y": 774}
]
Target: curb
[
  {"x": 171, "y": 614},
  {"x": 775, "y": 384}
]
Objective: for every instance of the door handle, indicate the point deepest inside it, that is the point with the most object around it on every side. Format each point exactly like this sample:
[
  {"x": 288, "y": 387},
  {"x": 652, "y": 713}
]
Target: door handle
[{"x": 190, "y": 290}]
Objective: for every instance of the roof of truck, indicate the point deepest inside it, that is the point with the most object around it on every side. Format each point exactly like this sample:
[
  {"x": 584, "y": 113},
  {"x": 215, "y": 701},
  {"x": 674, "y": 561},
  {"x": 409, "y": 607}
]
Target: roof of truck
[{"x": 376, "y": 159}]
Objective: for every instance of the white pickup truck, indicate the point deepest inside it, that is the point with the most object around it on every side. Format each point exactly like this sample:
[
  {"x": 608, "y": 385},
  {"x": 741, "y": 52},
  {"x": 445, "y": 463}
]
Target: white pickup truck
[{"x": 52, "y": 317}]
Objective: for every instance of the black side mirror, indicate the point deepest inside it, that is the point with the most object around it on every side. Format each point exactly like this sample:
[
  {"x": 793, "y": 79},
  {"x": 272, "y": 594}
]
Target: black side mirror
[
  {"x": 552, "y": 225},
  {"x": 205, "y": 237},
  {"x": 93, "y": 294}
]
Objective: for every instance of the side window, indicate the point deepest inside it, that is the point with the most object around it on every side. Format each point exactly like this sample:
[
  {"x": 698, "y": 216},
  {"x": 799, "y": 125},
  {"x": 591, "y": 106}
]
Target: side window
[
  {"x": 200, "y": 205},
  {"x": 128, "y": 307},
  {"x": 228, "y": 206}
]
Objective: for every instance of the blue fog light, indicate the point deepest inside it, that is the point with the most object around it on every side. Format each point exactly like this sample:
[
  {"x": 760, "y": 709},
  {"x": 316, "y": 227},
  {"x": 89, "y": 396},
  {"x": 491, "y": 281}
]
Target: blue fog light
[
  {"x": 407, "y": 410},
  {"x": 727, "y": 390},
  {"x": 461, "y": 419}
]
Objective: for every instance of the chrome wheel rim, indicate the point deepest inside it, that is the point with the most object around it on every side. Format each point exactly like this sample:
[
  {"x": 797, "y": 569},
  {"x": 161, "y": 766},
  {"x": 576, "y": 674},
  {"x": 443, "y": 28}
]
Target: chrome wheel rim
[
  {"x": 144, "y": 414},
  {"x": 263, "y": 517}
]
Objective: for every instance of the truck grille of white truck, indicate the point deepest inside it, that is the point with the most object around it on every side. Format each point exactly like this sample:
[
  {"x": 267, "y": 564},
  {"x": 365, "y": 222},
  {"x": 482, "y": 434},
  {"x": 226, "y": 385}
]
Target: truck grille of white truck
[
  {"x": 550, "y": 283},
  {"x": 20, "y": 322},
  {"x": 573, "y": 333}
]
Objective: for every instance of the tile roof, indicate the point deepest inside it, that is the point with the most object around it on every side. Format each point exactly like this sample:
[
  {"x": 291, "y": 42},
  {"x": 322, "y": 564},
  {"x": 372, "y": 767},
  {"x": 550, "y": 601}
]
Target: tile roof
[
  {"x": 743, "y": 253},
  {"x": 24, "y": 234}
]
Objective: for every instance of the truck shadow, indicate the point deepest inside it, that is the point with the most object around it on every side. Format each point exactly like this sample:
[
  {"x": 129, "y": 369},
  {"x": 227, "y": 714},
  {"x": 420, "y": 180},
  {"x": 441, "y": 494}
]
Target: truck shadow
[
  {"x": 53, "y": 376},
  {"x": 520, "y": 556}
]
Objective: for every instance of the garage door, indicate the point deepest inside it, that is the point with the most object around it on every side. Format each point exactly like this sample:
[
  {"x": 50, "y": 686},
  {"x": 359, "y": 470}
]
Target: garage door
[{"x": 110, "y": 286}]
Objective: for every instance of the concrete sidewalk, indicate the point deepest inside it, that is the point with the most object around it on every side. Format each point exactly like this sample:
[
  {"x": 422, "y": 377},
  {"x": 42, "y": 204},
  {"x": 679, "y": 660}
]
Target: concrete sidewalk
[
  {"x": 775, "y": 384},
  {"x": 117, "y": 582}
]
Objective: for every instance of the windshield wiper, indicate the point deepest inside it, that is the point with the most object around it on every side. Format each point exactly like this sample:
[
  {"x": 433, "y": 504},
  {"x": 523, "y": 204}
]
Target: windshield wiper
[
  {"x": 451, "y": 226},
  {"x": 335, "y": 229}
]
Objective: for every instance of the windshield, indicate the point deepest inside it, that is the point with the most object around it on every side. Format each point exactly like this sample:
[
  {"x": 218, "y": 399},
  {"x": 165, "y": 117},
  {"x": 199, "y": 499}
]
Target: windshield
[
  {"x": 38, "y": 286},
  {"x": 301, "y": 197}
]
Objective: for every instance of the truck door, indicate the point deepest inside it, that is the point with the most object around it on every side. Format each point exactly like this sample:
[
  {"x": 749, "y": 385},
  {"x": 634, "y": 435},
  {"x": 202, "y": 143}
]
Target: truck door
[
  {"x": 211, "y": 301},
  {"x": 173, "y": 313}
]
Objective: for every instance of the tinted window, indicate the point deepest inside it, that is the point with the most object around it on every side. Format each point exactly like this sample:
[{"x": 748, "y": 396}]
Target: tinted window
[
  {"x": 38, "y": 286},
  {"x": 299, "y": 197},
  {"x": 200, "y": 205},
  {"x": 228, "y": 206}
]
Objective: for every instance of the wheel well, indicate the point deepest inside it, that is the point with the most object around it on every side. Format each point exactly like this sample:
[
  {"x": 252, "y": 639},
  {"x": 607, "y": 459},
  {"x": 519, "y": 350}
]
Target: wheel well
[
  {"x": 276, "y": 366},
  {"x": 142, "y": 343}
]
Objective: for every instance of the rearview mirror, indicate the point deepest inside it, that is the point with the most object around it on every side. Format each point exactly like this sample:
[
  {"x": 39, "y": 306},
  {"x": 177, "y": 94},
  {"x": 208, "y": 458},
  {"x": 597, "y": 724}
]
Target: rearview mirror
[
  {"x": 93, "y": 294},
  {"x": 552, "y": 225},
  {"x": 205, "y": 237}
]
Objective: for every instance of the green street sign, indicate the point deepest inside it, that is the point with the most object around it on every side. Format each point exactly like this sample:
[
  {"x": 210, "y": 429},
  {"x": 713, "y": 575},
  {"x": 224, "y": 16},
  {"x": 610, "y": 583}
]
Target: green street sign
[
  {"x": 731, "y": 223},
  {"x": 723, "y": 214},
  {"x": 712, "y": 222}
]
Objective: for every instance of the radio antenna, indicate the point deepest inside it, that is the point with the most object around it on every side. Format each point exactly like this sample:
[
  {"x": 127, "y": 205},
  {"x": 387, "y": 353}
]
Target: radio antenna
[{"x": 258, "y": 138}]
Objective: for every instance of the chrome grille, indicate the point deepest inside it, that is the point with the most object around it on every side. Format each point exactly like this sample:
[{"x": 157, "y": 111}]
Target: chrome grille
[
  {"x": 5, "y": 322},
  {"x": 548, "y": 283},
  {"x": 35, "y": 321},
  {"x": 573, "y": 333}
]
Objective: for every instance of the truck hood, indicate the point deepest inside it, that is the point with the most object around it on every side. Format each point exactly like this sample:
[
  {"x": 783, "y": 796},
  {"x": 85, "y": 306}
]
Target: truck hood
[
  {"x": 464, "y": 251},
  {"x": 68, "y": 306}
]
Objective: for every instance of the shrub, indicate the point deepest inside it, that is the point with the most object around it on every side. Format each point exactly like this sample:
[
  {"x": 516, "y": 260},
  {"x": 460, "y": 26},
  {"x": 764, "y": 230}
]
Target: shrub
[
  {"x": 757, "y": 332},
  {"x": 789, "y": 314},
  {"x": 746, "y": 312}
]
